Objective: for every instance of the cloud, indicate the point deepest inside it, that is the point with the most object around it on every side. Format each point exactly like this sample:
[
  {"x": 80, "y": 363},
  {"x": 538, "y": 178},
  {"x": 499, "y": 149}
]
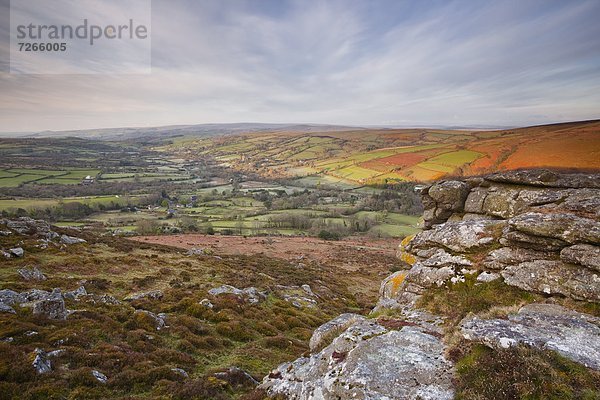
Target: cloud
[{"x": 346, "y": 62}]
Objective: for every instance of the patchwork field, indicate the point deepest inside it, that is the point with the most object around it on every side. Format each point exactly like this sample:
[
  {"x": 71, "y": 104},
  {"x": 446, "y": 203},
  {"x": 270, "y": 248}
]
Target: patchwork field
[{"x": 379, "y": 156}]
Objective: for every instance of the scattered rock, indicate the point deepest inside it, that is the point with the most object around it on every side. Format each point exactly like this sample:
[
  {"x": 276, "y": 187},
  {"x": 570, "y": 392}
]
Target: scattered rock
[
  {"x": 236, "y": 376},
  {"x": 51, "y": 307},
  {"x": 250, "y": 294},
  {"x": 75, "y": 294},
  {"x": 180, "y": 372},
  {"x": 546, "y": 326},
  {"x": 31, "y": 274},
  {"x": 41, "y": 362},
  {"x": 100, "y": 377},
  {"x": 159, "y": 319},
  {"x": 152, "y": 295},
  {"x": 299, "y": 296},
  {"x": 17, "y": 252},
  {"x": 5, "y": 254},
  {"x": 206, "y": 303},
  {"x": 65, "y": 239}
]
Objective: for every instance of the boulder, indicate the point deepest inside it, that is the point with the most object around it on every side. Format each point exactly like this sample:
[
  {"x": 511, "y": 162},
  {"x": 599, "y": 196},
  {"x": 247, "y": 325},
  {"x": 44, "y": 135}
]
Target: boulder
[
  {"x": 582, "y": 254},
  {"x": 26, "y": 225},
  {"x": 546, "y": 326},
  {"x": 75, "y": 294},
  {"x": 368, "y": 361},
  {"x": 152, "y": 295},
  {"x": 65, "y": 239},
  {"x": 100, "y": 377},
  {"x": 236, "y": 376},
  {"x": 554, "y": 277},
  {"x": 180, "y": 372},
  {"x": 250, "y": 294},
  {"x": 159, "y": 319},
  {"x": 17, "y": 252},
  {"x": 9, "y": 297},
  {"x": 474, "y": 201},
  {"x": 299, "y": 296},
  {"x": 5, "y": 308},
  {"x": 51, "y": 307},
  {"x": 31, "y": 274},
  {"x": 41, "y": 362}
]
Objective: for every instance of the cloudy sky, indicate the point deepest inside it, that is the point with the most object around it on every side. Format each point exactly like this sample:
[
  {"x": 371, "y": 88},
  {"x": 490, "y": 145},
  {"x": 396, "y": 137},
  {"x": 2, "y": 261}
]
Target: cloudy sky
[{"x": 370, "y": 62}]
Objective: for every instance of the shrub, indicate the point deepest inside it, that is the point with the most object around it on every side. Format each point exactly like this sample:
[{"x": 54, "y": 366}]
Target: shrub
[
  {"x": 327, "y": 235},
  {"x": 522, "y": 373}
]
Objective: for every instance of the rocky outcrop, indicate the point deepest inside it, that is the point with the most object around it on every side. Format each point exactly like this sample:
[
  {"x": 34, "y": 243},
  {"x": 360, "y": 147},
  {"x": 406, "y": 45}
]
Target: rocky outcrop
[
  {"x": 31, "y": 274},
  {"x": 536, "y": 230},
  {"x": 548, "y": 326},
  {"x": 369, "y": 361},
  {"x": 539, "y": 230}
]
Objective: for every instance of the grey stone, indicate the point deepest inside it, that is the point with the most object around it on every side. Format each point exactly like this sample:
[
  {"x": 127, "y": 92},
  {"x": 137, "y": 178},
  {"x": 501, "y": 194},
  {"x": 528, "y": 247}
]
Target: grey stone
[
  {"x": 583, "y": 254},
  {"x": 206, "y": 303},
  {"x": 554, "y": 277},
  {"x": 180, "y": 372},
  {"x": 75, "y": 294},
  {"x": 567, "y": 227},
  {"x": 51, "y": 307},
  {"x": 545, "y": 326},
  {"x": 441, "y": 258},
  {"x": 368, "y": 362},
  {"x": 236, "y": 375},
  {"x": 17, "y": 251},
  {"x": 26, "y": 225},
  {"x": 159, "y": 319},
  {"x": 5, "y": 308},
  {"x": 41, "y": 362},
  {"x": 31, "y": 274},
  {"x": 505, "y": 256},
  {"x": 250, "y": 294},
  {"x": 540, "y": 243},
  {"x": 9, "y": 297},
  {"x": 100, "y": 377},
  {"x": 449, "y": 195},
  {"x": 485, "y": 277},
  {"x": 152, "y": 295},
  {"x": 336, "y": 325},
  {"x": 463, "y": 236},
  {"x": 65, "y": 239},
  {"x": 500, "y": 202},
  {"x": 474, "y": 201},
  {"x": 546, "y": 178}
]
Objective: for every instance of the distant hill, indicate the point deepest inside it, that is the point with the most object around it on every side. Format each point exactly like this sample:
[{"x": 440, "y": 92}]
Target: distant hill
[
  {"x": 201, "y": 130},
  {"x": 378, "y": 155}
]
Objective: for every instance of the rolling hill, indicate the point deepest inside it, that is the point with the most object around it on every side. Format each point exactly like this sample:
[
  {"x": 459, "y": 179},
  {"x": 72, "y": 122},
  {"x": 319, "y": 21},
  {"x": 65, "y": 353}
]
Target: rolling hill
[{"x": 380, "y": 155}]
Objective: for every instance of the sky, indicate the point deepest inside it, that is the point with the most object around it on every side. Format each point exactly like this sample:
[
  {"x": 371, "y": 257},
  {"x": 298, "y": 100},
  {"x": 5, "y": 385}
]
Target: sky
[{"x": 348, "y": 62}]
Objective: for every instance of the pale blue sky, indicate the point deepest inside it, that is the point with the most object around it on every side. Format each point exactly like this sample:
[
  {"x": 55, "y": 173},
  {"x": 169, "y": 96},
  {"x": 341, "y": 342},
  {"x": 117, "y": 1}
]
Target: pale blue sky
[{"x": 340, "y": 62}]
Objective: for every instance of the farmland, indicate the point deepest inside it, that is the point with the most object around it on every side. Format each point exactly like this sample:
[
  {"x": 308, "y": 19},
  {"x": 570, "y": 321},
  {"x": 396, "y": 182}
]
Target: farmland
[{"x": 391, "y": 155}]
